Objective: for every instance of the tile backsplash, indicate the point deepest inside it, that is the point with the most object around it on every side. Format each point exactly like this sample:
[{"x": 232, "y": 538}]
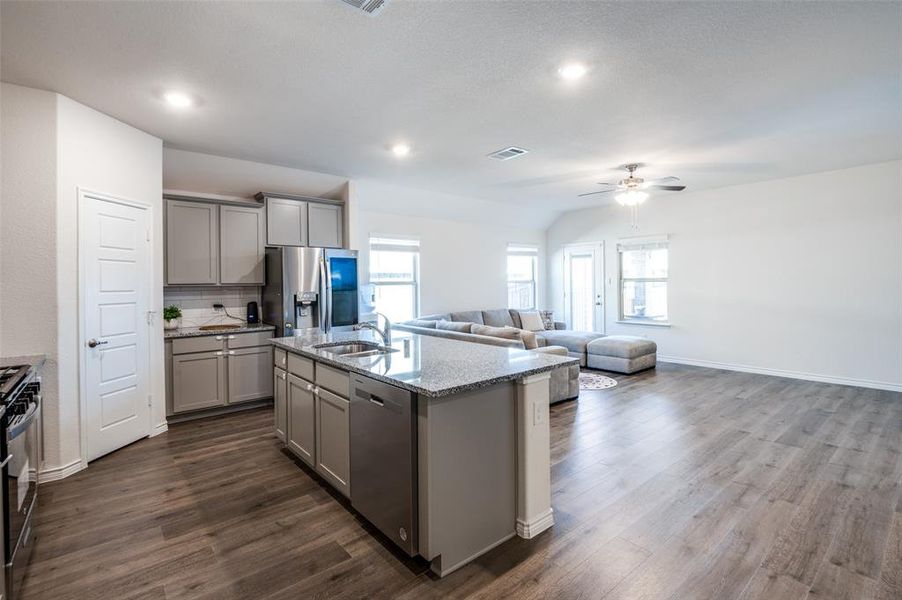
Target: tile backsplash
[{"x": 197, "y": 303}]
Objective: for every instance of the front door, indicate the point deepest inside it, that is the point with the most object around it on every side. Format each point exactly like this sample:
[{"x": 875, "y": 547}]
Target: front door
[
  {"x": 116, "y": 292},
  {"x": 584, "y": 287}
]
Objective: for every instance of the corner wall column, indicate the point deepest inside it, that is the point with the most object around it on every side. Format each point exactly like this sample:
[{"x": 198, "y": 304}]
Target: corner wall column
[{"x": 534, "y": 512}]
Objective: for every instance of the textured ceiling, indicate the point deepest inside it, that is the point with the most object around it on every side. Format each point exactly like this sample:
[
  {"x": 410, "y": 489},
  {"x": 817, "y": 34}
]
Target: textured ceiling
[{"x": 716, "y": 93}]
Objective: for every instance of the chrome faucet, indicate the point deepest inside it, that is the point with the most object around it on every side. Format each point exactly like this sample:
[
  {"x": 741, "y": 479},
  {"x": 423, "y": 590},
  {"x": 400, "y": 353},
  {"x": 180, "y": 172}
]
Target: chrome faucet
[{"x": 384, "y": 333}]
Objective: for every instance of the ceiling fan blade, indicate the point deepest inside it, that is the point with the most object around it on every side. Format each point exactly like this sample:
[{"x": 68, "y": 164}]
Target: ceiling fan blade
[
  {"x": 593, "y": 193},
  {"x": 607, "y": 183},
  {"x": 668, "y": 188},
  {"x": 658, "y": 180}
]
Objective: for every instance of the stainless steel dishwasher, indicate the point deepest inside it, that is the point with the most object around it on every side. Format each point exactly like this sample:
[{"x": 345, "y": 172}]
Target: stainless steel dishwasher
[{"x": 384, "y": 459}]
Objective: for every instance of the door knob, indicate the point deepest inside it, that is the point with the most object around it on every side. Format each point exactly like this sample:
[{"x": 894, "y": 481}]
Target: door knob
[{"x": 93, "y": 343}]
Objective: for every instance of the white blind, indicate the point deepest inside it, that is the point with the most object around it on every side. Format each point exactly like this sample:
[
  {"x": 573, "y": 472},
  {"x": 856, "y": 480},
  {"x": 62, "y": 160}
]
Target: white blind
[
  {"x": 522, "y": 249},
  {"x": 394, "y": 244},
  {"x": 643, "y": 243}
]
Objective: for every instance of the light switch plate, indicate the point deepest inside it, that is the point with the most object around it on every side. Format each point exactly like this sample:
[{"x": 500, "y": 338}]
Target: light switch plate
[{"x": 538, "y": 415}]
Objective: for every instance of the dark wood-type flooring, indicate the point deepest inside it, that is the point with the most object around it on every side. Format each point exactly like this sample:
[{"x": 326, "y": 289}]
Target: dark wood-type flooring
[{"x": 680, "y": 483}]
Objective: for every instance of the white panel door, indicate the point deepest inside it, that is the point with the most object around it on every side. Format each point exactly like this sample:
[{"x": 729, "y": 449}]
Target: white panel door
[
  {"x": 116, "y": 290},
  {"x": 584, "y": 287}
]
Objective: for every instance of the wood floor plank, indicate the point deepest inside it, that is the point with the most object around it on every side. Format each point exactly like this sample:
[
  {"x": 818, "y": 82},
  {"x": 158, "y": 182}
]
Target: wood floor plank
[{"x": 681, "y": 482}]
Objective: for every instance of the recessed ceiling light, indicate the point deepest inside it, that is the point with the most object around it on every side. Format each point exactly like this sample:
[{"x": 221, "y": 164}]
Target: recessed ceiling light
[
  {"x": 400, "y": 149},
  {"x": 572, "y": 71},
  {"x": 178, "y": 99}
]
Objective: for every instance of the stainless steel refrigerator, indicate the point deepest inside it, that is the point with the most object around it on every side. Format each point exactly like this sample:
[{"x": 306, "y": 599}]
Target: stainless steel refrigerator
[{"x": 310, "y": 288}]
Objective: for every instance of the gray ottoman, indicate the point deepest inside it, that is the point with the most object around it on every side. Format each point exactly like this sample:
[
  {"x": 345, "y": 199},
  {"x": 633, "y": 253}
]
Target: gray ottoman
[{"x": 621, "y": 353}]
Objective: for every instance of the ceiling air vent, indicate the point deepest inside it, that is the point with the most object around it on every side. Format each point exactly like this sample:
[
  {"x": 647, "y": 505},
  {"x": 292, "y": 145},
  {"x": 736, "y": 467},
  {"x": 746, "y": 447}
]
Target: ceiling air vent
[
  {"x": 372, "y": 7},
  {"x": 508, "y": 153}
]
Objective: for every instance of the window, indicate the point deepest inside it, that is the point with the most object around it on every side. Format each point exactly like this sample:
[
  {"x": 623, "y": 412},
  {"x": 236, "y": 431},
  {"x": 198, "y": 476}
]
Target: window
[
  {"x": 395, "y": 275},
  {"x": 522, "y": 268},
  {"x": 643, "y": 280}
]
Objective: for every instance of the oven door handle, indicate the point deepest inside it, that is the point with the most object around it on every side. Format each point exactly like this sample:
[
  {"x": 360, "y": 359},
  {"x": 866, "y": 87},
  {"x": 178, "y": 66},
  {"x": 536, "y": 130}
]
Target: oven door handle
[{"x": 20, "y": 427}]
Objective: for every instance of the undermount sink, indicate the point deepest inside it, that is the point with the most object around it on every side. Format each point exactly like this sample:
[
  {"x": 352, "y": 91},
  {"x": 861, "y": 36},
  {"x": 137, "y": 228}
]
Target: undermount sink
[
  {"x": 217, "y": 327},
  {"x": 354, "y": 349}
]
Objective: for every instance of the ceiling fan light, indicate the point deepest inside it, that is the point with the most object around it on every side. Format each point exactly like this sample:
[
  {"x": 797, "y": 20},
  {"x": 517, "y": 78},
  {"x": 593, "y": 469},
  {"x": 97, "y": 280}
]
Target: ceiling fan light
[{"x": 631, "y": 198}]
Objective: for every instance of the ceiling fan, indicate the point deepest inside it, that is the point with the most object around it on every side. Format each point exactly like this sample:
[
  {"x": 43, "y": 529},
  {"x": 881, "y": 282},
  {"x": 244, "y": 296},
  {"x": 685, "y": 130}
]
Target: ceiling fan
[{"x": 631, "y": 190}]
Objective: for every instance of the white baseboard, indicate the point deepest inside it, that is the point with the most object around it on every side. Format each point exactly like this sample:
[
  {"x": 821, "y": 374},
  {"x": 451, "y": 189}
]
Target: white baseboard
[
  {"x": 159, "y": 428},
  {"x": 57, "y": 473},
  {"x": 529, "y": 530},
  {"x": 865, "y": 383}
]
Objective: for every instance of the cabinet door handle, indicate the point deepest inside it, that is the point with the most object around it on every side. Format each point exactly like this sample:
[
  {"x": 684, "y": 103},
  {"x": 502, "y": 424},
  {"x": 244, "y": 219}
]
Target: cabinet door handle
[
  {"x": 231, "y": 352},
  {"x": 232, "y": 337},
  {"x": 218, "y": 353},
  {"x": 219, "y": 337},
  {"x": 309, "y": 387}
]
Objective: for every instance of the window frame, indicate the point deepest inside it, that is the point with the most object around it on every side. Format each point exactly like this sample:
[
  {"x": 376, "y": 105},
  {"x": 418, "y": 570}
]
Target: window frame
[
  {"x": 532, "y": 251},
  {"x": 657, "y": 242},
  {"x": 396, "y": 243}
]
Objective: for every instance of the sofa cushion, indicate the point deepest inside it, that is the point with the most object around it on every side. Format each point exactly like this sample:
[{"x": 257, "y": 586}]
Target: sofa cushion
[
  {"x": 436, "y": 317},
  {"x": 622, "y": 346},
  {"x": 574, "y": 341},
  {"x": 459, "y": 326},
  {"x": 531, "y": 320},
  {"x": 470, "y": 316},
  {"x": 422, "y": 323},
  {"x": 499, "y": 317},
  {"x": 508, "y": 333},
  {"x": 530, "y": 341},
  {"x": 515, "y": 317}
]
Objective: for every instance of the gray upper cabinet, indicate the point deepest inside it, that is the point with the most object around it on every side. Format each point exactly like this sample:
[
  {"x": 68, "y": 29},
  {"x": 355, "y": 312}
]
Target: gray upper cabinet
[
  {"x": 192, "y": 243},
  {"x": 242, "y": 244},
  {"x": 286, "y": 222},
  {"x": 324, "y": 225}
]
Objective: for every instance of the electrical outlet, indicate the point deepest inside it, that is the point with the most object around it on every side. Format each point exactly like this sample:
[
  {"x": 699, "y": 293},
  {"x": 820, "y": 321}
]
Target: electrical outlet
[
  {"x": 218, "y": 308},
  {"x": 538, "y": 415}
]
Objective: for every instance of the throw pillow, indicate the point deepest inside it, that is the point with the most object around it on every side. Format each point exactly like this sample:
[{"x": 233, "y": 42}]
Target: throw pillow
[
  {"x": 508, "y": 333},
  {"x": 458, "y": 326},
  {"x": 531, "y": 321},
  {"x": 421, "y": 323},
  {"x": 548, "y": 319}
]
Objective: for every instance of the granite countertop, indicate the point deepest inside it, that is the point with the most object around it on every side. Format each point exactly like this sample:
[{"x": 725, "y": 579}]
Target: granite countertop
[
  {"x": 182, "y": 332},
  {"x": 432, "y": 366}
]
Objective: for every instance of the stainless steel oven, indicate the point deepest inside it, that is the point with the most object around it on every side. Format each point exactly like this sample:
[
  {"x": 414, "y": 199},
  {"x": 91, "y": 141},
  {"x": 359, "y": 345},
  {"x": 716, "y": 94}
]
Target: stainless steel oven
[{"x": 19, "y": 451}]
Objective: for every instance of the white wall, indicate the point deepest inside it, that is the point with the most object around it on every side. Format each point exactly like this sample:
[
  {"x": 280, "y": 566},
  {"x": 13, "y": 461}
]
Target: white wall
[
  {"x": 100, "y": 154},
  {"x": 28, "y": 235},
  {"x": 205, "y": 173},
  {"x": 56, "y": 146},
  {"x": 463, "y": 251},
  {"x": 799, "y": 276}
]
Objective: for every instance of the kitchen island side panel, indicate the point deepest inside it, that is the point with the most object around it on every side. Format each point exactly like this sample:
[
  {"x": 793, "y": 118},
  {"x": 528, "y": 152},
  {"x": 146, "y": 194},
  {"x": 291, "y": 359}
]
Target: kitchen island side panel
[{"x": 467, "y": 466}]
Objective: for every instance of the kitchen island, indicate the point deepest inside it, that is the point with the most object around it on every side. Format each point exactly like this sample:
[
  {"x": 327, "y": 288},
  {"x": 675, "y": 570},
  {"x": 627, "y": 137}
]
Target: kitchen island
[{"x": 477, "y": 444}]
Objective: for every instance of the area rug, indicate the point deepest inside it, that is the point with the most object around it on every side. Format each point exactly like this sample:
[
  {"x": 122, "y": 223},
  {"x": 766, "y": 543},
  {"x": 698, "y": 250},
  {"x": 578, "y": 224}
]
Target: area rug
[{"x": 593, "y": 381}]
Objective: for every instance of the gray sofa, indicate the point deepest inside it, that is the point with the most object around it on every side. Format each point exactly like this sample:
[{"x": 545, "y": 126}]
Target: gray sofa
[
  {"x": 574, "y": 341},
  {"x": 564, "y": 381}
]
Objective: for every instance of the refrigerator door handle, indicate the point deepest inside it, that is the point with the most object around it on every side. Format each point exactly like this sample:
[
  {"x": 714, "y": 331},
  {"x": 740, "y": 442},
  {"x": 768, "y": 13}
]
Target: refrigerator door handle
[{"x": 326, "y": 287}]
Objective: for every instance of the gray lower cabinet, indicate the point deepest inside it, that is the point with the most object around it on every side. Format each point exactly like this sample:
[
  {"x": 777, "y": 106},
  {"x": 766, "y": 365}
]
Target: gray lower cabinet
[
  {"x": 198, "y": 381},
  {"x": 333, "y": 440},
  {"x": 324, "y": 225},
  {"x": 280, "y": 401},
  {"x": 250, "y": 375},
  {"x": 286, "y": 222},
  {"x": 242, "y": 244},
  {"x": 192, "y": 243},
  {"x": 301, "y": 433}
]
